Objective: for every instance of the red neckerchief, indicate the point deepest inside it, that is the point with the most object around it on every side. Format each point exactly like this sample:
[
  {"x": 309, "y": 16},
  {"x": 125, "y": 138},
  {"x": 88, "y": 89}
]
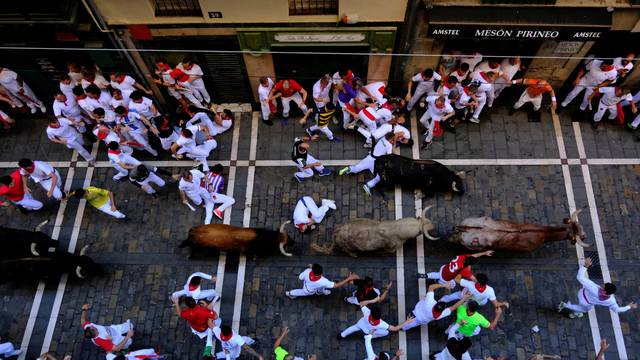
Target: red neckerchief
[
  {"x": 387, "y": 106},
  {"x": 116, "y": 152},
  {"x": 435, "y": 313},
  {"x": 484, "y": 76},
  {"x": 120, "y": 79},
  {"x": 314, "y": 277},
  {"x": 224, "y": 337},
  {"x": 608, "y": 68},
  {"x": 102, "y": 134},
  {"x": 373, "y": 321},
  {"x": 164, "y": 67},
  {"x": 481, "y": 288},
  {"x": 466, "y": 90},
  {"x": 33, "y": 168},
  {"x": 192, "y": 287},
  {"x": 79, "y": 97}
]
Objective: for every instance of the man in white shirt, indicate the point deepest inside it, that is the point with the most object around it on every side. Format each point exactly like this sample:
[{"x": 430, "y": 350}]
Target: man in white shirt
[
  {"x": 267, "y": 106},
  {"x": 611, "y": 96},
  {"x": 134, "y": 128},
  {"x": 44, "y": 174},
  {"x": 192, "y": 188},
  {"x": 484, "y": 82},
  {"x": 163, "y": 70},
  {"x": 624, "y": 65},
  {"x": 382, "y": 147},
  {"x": 19, "y": 91},
  {"x": 186, "y": 144},
  {"x": 62, "y": 131},
  {"x": 371, "y": 117},
  {"x": 599, "y": 73},
  {"x": 489, "y": 66},
  {"x": 195, "y": 79},
  {"x": 370, "y": 323},
  {"x": 425, "y": 84},
  {"x": 509, "y": 67},
  {"x": 592, "y": 294},
  {"x": 142, "y": 105},
  {"x": 66, "y": 85},
  {"x": 456, "y": 348},
  {"x": 479, "y": 291},
  {"x": 232, "y": 343},
  {"x": 471, "y": 60},
  {"x": 373, "y": 91},
  {"x": 438, "y": 110},
  {"x": 461, "y": 73},
  {"x": 307, "y": 214},
  {"x": 383, "y": 355},
  {"x": 313, "y": 283},
  {"x": 124, "y": 82},
  {"x": 98, "y": 98},
  {"x": 121, "y": 160},
  {"x": 69, "y": 109},
  {"x": 428, "y": 309},
  {"x": 321, "y": 92},
  {"x": 192, "y": 288}
]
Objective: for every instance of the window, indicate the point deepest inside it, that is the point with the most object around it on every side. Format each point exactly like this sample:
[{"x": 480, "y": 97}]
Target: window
[
  {"x": 520, "y": 2},
  {"x": 177, "y": 8},
  {"x": 313, "y": 7}
]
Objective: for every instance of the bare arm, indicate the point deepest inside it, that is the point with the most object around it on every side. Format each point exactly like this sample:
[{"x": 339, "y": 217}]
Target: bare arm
[
  {"x": 283, "y": 334},
  {"x": 603, "y": 347},
  {"x": 250, "y": 350},
  {"x": 464, "y": 299},
  {"x": 484, "y": 253},
  {"x": 54, "y": 182},
  {"x": 25, "y": 188},
  {"x": 496, "y": 318},
  {"x": 113, "y": 201},
  {"x": 351, "y": 277},
  {"x": 83, "y": 314},
  {"x": 304, "y": 95},
  {"x": 123, "y": 343}
]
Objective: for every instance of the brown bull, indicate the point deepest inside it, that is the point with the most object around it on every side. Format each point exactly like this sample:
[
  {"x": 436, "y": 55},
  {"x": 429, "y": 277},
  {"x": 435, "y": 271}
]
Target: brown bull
[
  {"x": 484, "y": 233},
  {"x": 366, "y": 235},
  {"x": 232, "y": 238}
]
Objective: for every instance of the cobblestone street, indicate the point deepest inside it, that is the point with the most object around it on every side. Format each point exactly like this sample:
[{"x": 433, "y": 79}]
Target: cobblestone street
[{"x": 517, "y": 170}]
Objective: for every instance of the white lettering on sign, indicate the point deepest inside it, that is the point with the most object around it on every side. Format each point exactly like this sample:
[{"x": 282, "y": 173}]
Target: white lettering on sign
[
  {"x": 587, "y": 34},
  {"x": 568, "y": 47},
  {"x": 534, "y": 34},
  {"x": 328, "y": 37},
  {"x": 494, "y": 33},
  {"x": 446, "y": 32}
]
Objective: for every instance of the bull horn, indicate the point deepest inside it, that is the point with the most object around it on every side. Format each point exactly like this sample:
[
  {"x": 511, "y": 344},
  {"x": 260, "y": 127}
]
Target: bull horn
[
  {"x": 424, "y": 211},
  {"x": 574, "y": 215},
  {"x": 283, "y": 225},
  {"x": 283, "y": 251},
  {"x": 461, "y": 173},
  {"x": 454, "y": 187},
  {"x": 83, "y": 250},
  {"x": 39, "y": 226},
  {"x": 79, "y": 272},
  {"x": 431, "y": 237},
  {"x": 33, "y": 249}
]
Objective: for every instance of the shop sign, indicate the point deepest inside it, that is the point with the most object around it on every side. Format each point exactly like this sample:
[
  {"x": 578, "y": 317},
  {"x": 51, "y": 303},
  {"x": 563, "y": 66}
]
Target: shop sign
[
  {"x": 511, "y": 33},
  {"x": 319, "y": 37},
  {"x": 568, "y": 47}
]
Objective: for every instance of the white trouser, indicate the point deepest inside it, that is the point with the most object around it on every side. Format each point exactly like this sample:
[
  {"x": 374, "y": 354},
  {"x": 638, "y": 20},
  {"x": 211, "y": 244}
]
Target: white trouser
[
  {"x": 307, "y": 205},
  {"x": 297, "y": 99},
  {"x": 118, "y": 332},
  {"x": 143, "y": 140},
  {"x": 174, "y": 93},
  {"x": 203, "y": 195},
  {"x": 224, "y": 201},
  {"x": 201, "y": 152},
  {"x": 491, "y": 95},
  {"x": 168, "y": 141},
  {"x": 29, "y": 203},
  {"x": 497, "y": 88},
  {"x": 613, "y": 111},
  {"x": 46, "y": 185},
  {"x": 420, "y": 92},
  {"x": 122, "y": 172},
  {"x": 308, "y": 172},
  {"x": 636, "y": 122},
  {"x": 413, "y": 324},
  {"x": 151, "y": 179},
  {"x": 28, "y": 97},
  {"x": 438, "y": 276},
  {"x": 525, "y": 98},
  {"x": 235, "y": 351},
  {"x": 106, "y": 208},
  {"x": 190, "y": 96},
  {"x": 355, "y": 328},
  {"x": 306, "y": 292},
  {"x": 482, "y": 100},
  {"x": 204, "y": 334},
  {"x": 208, "y": 295},
  {"x": 428, "y": 120},
  {"x": 582, "y": 305},
  {"x": 346, "y": 117},
  {"x": 365, "y": 164},
  {"x": 325, "y": 130},
  {"x": 76, "y": 144},
  {"x": 7, "y": 349},
  {"x": 198, "y": 87},
  {"x": 217, "y": 129},
  {"x": 582, "y": 85},
  {"x": 373, "y": 182},
  {"x": 266, "y": 110}
]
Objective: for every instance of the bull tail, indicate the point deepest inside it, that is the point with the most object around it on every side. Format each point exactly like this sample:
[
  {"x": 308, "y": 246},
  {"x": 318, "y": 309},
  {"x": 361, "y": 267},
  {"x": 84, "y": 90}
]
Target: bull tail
[
  {"x": 324, "y": 249},
  {"x": 41, "y": 225}
]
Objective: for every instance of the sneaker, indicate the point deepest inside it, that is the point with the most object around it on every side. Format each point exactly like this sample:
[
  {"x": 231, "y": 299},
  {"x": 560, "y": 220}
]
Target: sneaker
[
  {"x": 219, "y": 214},
  {"x": 268, "y": 122},
  {"x": 288, "y": 294},
  {"x": 330, "y": 203},
  {"x": 339, "y": 336},
  {"x": 326, "y": 292},
  {"x": 344, "y": 171},
  {"x": 335, "y": 139},
  {"x": 300, "y": 180},
  {"x": 43, "y": 109},
  {"x": 33, "y": 110},
  {"x": 366, "y": 189},
  {"x": 561, "y": 306},
  {"x": 475, "y": 120},
  {"x": 285, "y": 121},
  {"x": 216, "y": 299},
  {"x": 422, "y": 276},
  {"x": 367, "y": 146},
  {"x": 324, "y": 172},
  {"x": 594, "y": 125},
  {"x": 576, "y": 315}
]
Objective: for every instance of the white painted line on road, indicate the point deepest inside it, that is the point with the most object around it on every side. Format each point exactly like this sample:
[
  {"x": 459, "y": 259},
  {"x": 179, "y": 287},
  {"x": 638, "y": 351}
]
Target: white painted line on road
[
  {"x": 35, "y": 306},
  {"x": 402, "y": 312},
  {"x": 231, "y": 180},
  {"x": 246, "y": 222},
  {"x": 613, "y": 161},
  {"x": 568, "y": 184},
  {"x": 57, "y": 303},
  {"x": 597, "y": 232},
  {"x": 422, "y": 283}
]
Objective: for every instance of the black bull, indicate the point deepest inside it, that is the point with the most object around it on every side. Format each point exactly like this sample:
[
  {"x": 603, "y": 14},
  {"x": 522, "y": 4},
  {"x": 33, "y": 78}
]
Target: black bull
[
  {"x": 17, "y": 243},
  {"x": 427, "y": 175},
  {"x": 48, "y": 266}
]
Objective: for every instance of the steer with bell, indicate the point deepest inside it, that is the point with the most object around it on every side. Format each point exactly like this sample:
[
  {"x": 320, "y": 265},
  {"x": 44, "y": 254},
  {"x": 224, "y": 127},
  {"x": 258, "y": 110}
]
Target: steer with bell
[
  {"x": 232, "y": 238},
  {"x": 427, "y": 175},
  {"x": 483, "y": 233}
]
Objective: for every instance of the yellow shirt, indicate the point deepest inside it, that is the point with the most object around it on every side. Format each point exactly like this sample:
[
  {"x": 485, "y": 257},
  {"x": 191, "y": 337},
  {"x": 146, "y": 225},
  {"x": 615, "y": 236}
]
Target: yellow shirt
[{"x": 96, "y": 196}]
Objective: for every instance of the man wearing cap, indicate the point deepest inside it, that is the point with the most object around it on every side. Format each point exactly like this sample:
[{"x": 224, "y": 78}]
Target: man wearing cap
[
  {"x": 370, "y": 323},
  {"x": 313, "y": 283},
  {"x": 200, "y": 316},
  {"x": 592, "y": 294},
  {"x": 192, "y": 288},
  {"x": 428, "y": 309},
  {"x": 233, "y": 343},
  {"x": 307, "y": 214},
  {"x": 43, "y": 173}
]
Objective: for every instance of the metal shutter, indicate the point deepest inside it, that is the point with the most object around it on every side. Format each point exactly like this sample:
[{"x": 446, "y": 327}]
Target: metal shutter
[{"x": 228, "y": 78}]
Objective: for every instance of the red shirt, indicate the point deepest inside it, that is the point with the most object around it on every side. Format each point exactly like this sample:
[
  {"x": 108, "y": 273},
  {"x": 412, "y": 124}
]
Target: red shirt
[
  {"x": 15, "y": 192},
  {"x": 454, "y": 268},
  {"x": 294, "y": 87},
  {"x": 198, "y": 316}
]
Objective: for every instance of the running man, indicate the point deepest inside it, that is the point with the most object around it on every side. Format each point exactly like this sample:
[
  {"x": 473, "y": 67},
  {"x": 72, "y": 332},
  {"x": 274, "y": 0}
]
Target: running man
[
  {"x": 460, "y": 265},
  {"x": 533, "y": 94},
  {"x": 428, "y": 309},
  {"x": 383, "y": 147},
  {"x": 478, "y": 290},
  {"x": 370, "y": 323},
  {"x": 112, "y": 338},
  {"x": 233, "y": 343},
  {"x": 63, "y": 132},
  {"x": 44, "y": 174},
  {"x": 193, "y": 288},
  {"x": 200, "y": 316},
  {"x": 599, "y": 73},
  {"x": 305, "y": 162},
  {"x": 471, "y": 321},
  {"x": 314, "y": 283},
  {"x": 100, "y": 199}
]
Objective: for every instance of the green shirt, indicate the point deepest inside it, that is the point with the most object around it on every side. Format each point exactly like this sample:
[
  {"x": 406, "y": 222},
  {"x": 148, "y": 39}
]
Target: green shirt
[
  {"x": 472, "y": 322},
  {"x": 280, "y": 353}
]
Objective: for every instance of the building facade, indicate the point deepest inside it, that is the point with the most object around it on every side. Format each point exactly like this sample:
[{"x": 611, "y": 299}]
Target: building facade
[{"x": 241, "y": 32}]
